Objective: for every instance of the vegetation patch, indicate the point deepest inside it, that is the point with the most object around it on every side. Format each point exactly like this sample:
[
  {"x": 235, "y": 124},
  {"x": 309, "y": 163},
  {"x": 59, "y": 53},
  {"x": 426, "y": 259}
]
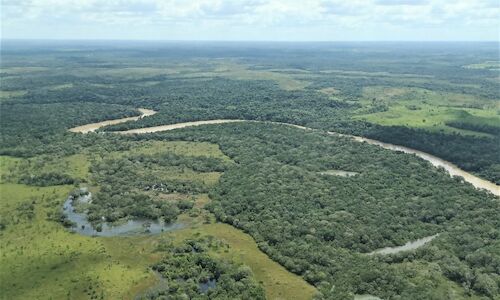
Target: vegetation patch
[
  {"x": 189, "y": 269},
  {"x": 315, "y": 227},
  {"x": 491, "y": 65}
]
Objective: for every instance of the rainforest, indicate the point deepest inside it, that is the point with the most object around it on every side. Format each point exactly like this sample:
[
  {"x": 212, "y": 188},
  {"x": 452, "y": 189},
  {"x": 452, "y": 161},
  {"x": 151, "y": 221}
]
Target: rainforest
[{"x": 249, "y": 170}]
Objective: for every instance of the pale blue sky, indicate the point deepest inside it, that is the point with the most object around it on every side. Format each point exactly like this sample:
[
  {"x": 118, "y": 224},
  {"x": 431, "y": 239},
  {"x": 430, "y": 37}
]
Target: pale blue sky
[{"x": 278, "y": 20}]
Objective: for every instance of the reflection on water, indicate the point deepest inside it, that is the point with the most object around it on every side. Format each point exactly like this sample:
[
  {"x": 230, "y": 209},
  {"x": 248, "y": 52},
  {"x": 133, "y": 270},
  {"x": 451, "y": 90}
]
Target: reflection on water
[
  {"x": 339, "y": 173},
  {"x": 131, "y": 227},
  {"x": 452, "y": 169},
  {"x": 408, "y": 246},
  {"x": 94, "y": 126},
  {"x": 366, "y": 297},
  {"x": 205, "y": 286}
]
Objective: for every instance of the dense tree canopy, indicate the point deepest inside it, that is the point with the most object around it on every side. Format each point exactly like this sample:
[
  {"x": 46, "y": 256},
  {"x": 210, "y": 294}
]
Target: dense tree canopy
[
  {"x": 278, "y": 183},
  {"x": 190, "y": 272}
]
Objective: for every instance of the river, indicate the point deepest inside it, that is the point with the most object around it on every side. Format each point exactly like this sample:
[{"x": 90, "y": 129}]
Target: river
[
  {"x": 452, "y": 169},
  {"x": 94, "y": 126},
  {"x": 477, "y": 182}
]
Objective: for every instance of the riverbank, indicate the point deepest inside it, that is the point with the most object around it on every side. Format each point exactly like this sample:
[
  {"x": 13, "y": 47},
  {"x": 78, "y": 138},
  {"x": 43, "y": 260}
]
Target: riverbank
[
  {"x": 94, "y": 126},
  {"x": 452, "y": 169}
]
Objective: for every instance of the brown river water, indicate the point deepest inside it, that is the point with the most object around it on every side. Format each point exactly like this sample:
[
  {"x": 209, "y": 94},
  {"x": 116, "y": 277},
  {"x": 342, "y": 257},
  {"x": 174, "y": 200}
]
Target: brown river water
[
  {"x": 94, "y": 126},
  {"x": 452, "y": 169}
]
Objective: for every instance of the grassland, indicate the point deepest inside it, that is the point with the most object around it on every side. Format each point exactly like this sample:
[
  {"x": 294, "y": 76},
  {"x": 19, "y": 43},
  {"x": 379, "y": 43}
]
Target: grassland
[
  {"x": 176, "y": 147},
  {"x": 410, "y": 95},
  {"x": 40, "y": 255},
  {"x": 172, "y": 172},
  {"x": 42, "y": 260},
  {"x": 488, "y": 65},
  {"x": 23, "y": 70},
  {"x": 60, "y": 87},
  {"x": 277, "y": 281},
  {"x": 421, "y": 108},
  {"x": 236, "y": 71},
  {"x": 8, "y": 95}
]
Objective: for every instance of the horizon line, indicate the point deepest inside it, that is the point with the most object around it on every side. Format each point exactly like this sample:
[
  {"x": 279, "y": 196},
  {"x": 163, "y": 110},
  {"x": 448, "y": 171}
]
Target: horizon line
[{"x": 249, "y": 41}]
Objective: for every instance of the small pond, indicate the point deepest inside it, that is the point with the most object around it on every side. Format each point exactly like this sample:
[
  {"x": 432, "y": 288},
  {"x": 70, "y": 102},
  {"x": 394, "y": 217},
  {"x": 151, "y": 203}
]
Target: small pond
[
  {"x": 130, "y": 227},
  {"x": 339, "y": 173},
  {"x": 408, "y": 246}
]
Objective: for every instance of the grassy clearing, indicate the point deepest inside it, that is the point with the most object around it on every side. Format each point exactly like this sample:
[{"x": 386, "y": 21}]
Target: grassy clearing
[
  {"x": 176, "y": 173},
  {"x": 422, "y": 108},
  {"x": 75, "y": 165},
  {"x": 60, "y": 87},
  {"x": 428, "y": 117},
  {"x": 374, "y": 74},
  {"x": 232, "y": 70},
  {"x": 5, "y": 95},
  {"x": 423, "y": 96},
  {"x": 8, "y": 166},
  {"x": 23, "y": 70},
  {"x": 329, "y": 91},
  {"x": 488, "y": 65},
  {"x": 240, "y": 72},
  {"x": 39, "y": 255},
  {"x": 180, "y": 148},
  {"x": 147, "y": 83},
  {"x": 125, "y": 73},
  {"x": 277, "y": 281}
]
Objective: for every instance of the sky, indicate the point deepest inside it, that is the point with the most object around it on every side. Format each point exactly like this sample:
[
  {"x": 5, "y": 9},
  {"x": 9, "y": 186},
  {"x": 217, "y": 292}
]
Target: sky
[{"x": 253, "y": 20}]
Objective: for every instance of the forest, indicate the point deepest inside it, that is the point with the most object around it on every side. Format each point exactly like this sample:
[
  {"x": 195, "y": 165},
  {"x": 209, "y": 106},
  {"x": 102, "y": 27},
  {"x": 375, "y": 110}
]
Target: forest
[
  {"x": 126, "y": 185},
  {"x": 189, "y": 270},
  {"x": 319, "y": 226},
  {"x": 266, "y": 211}
]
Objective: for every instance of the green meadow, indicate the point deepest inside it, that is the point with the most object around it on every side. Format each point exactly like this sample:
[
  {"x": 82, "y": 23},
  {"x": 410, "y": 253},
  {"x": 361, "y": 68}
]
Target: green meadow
[
  {"x": 421, "y": 108},
  {"x": 39, "y": 255}
]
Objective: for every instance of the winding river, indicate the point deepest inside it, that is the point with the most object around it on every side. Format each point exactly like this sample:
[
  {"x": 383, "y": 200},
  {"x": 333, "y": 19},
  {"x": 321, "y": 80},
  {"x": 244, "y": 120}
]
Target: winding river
[
  {"x": 452, "y": 169},
  {"x": 94, "y": 126},
  {"x": 137, "y": 226}
]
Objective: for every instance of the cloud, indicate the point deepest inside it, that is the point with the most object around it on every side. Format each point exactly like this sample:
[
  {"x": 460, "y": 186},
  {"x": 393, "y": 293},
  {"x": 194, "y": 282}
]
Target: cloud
[
  {"x": 251, "y": 17},
  {"x": 401, "y": 2}
]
